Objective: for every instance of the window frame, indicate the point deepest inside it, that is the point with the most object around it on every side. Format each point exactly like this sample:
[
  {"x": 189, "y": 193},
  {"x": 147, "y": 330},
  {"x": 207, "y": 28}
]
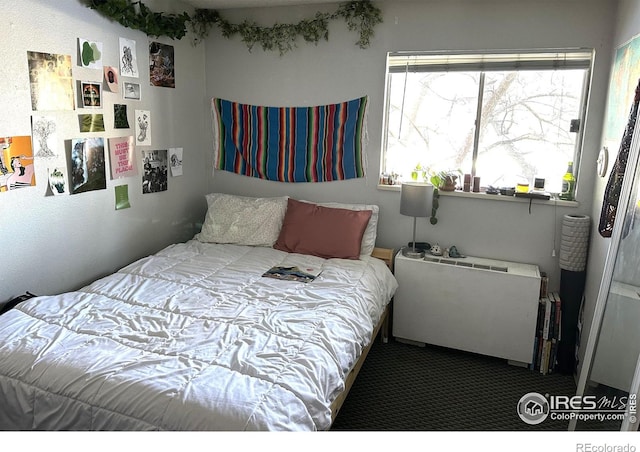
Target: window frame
[{"x": 483, "y": 61}]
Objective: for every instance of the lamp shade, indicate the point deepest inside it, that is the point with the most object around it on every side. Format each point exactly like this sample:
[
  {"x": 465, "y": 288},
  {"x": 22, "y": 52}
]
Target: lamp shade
[{"x": 415, "y": 200}]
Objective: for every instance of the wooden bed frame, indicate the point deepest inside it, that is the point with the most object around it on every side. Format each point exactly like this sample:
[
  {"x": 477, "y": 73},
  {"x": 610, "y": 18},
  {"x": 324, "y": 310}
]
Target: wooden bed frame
[{"x": 382, "y": 327}]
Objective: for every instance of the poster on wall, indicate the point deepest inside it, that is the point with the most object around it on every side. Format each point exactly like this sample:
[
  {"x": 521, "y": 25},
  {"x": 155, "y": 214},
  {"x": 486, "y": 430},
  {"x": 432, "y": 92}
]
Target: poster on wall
[
  {"x": 16, "y": 163},
  {"x": 111, "y": 79},
  {"x": 90, "y": 53},
  {"x": 122, "y": 197},
  {"x": 58, "y": 180},
  {"x": 50, "y": 81},
  {"x": 45, "y": 139},
  {"x": 154, "y": 176},
  {"x": 91, "y": 94},
  {"x": 175, "y": 159},
  {"x": 123, "y": 162},
  {"x": 91, "y": 122},
  {"x": 143, "y": 128},
  {"x": 128, "y": 58},
  {"x": 87, "y": 165},
  {"x": 120, "y": 117},
  {"x": 624, "y": 78},
  {"x": 131, "y": 91},
  {"x": 161, "y": 65}
]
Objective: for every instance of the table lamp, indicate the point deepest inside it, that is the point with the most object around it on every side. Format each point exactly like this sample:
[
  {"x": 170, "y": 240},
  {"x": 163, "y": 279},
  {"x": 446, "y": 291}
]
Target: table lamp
[{"x": 415, "y": 201}]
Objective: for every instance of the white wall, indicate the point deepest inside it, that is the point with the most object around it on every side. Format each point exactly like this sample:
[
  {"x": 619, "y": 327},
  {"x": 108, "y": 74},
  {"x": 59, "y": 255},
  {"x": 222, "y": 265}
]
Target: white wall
[
  {"x": 338, "y": 70},
  {"x": 53, "y": 244}
]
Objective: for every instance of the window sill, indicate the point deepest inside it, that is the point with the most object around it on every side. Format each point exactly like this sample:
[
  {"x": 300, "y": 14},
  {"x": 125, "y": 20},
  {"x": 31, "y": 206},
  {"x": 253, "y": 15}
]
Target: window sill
[{"x": 486, "y": 197}]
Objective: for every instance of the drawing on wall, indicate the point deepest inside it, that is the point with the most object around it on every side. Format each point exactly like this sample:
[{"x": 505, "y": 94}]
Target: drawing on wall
[
  {"x": 111, "y": 79},
  {"x": 143, "y": 128},
  {"x": 91, "y": 122},
  {"x": 128, "y": 58},
  {"x": 624, "y": 78},
  {"x": 122, "y": 197},
  {"x": 131, "y": 91},
  {"x": 16, "y": 163},
  {"x": 90, "y": 53},
  {"x": 120, "y": 119},
  {"x": 58, "y": 180},
  {"x": 43, "y": 130},
  {"x": 154, "y": 176},
  {"x": 123, "y": 162},
  {"x": 175, "y": 159},
  {"x": 50, "y": 81},
  {"x": 91, "y": 94},
  {"x": 87, "y": 164},
  {"x": 161, "y": 65}
]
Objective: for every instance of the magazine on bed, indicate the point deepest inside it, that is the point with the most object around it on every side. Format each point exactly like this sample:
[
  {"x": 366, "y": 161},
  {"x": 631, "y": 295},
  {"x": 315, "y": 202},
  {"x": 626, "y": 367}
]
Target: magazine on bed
[{"x": 304, "y": 274}]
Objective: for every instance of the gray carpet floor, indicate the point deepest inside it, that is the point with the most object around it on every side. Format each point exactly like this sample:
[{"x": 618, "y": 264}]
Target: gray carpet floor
[{"x": 404, "y": 387}]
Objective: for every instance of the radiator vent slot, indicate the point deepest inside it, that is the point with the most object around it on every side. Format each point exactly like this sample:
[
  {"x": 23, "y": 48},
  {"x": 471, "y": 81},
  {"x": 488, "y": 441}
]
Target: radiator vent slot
[{"x": 445, "y": 261}]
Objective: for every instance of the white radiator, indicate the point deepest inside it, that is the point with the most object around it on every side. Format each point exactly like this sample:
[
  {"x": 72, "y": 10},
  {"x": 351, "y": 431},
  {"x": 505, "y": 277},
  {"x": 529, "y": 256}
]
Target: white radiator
[{"x": 479, "y": 305}]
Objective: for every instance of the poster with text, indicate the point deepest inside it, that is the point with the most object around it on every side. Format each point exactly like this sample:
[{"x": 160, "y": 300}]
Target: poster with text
[
  {"x": 128, "y": 58},
  {"x": 121, "y": 155},
  {"x": 143, "y": 128},
  {"x": 87, "y": 164},
  {"x": 50, "y": 81},
  {"x": 161, "y": 67},
  {"x": 16, "y": 163},
  {"x": 91, "y": 94},
  {"x": 154, "y": 176}
]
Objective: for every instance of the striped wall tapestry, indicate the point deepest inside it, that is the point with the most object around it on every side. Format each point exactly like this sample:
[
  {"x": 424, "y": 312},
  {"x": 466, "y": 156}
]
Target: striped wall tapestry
[{"x": 290, "y": 144}]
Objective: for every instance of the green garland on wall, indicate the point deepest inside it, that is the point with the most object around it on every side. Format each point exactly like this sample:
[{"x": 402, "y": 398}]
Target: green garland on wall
[{"x": 359, "y": 15}]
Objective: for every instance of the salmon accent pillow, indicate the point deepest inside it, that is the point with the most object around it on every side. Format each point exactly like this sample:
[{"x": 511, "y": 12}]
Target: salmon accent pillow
[{"x": 322, "y": 231}]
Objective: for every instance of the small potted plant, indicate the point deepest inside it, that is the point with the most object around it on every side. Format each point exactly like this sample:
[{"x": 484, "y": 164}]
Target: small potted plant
[{"x": 448, "y": 179}]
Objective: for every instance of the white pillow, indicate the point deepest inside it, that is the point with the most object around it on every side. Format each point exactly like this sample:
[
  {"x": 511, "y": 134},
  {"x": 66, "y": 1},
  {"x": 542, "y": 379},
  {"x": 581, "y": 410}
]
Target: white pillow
[
  {"x": 371, "y": 231},
  {"x": 242, "y": 220}
]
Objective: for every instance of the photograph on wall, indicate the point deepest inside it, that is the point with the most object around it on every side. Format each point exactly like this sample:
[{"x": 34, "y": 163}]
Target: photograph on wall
[
  {"x": 128, "y": 58},
  {"x": 120, "y": 118},
  {"x": 122, "y": 158},
  {"x": 154, "y": 176},
  {"x": 111, "y": 79},
  {"x": 122, "y": 197},
  {"x": 90, "y": 53},
  {"x": 143, "y": 128},
  {"x": 131, "y": 91},
  {"x": 16, "y": 163},
  {"x": 175, "y": 159},
  {"x": 58, "y": 180},
  {"x": 45, "y": 139},
  {"x": 91, "y": 94},
  {"x": 91, "y": 122},
  {"x": 161, "y": 65},
  {"x": 50, "y": 81},
  {"x": 87, "y": 165}
]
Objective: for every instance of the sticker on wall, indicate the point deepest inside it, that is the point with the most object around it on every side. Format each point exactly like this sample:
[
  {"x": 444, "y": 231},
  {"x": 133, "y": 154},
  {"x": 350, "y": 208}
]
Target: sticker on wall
[
  {"x": 123, "y": 162},
  {"x": 16, "y": 163},
  {"x": 58, "y": 181},
  {"x": 90, "y": 53},
  {"x": 91, "y": 122},
  {"x": 175, "y": 159},
  {"x": 43, "y": 130},
  {"x": 154, "y": 176},
  {"x": 161, "y": 67},
  {"x": 122, "y": 197},
  {"x": 50, "y": 81},
  {"x": 131, "y": 91},
  {"x": 120, "y": 118},
  {"x": 87, "y": 164},
  {"x": 143, "y": 128},
  {"x": 128, "y": 58},
  {"x": 91, "y": 94},
  {"x": 111, "y": 79}
]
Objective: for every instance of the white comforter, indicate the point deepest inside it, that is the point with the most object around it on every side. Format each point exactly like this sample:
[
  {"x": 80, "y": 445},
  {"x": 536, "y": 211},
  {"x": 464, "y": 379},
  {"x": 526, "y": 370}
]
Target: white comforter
[{"x": 192, "y": 338}]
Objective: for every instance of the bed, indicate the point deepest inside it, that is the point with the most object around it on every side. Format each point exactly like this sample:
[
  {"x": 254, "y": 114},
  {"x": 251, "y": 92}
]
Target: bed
[{"x": 194, "y": 337}]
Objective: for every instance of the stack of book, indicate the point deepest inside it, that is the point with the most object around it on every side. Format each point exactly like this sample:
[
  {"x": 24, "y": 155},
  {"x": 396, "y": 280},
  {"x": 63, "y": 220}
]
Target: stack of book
[{"x": 545, "y": 345}]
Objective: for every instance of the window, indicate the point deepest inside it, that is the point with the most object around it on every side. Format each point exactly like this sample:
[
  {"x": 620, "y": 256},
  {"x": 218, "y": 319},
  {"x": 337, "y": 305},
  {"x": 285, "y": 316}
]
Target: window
[{"x": 506, "y": 117}]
